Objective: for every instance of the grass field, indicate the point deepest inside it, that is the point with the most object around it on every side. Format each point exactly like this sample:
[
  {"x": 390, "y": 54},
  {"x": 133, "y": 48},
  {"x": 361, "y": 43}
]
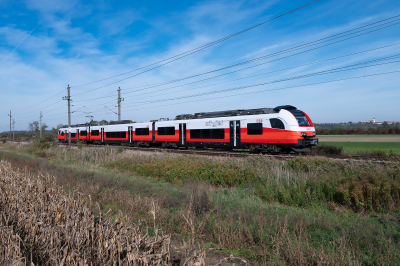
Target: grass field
[
  {"x": 367, "y": 146},
  {"x": 359, "y": 138},
  {"x": 304, "y": 211}
]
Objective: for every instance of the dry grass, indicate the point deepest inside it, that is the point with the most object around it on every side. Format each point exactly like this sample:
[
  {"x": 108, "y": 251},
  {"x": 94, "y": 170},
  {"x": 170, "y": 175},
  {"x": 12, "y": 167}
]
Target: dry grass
[
  {"x": 268, "y": 237},
  {"x": 43, "y": 225}
]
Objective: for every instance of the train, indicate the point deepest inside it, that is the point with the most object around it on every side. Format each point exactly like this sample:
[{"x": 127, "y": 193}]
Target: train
[{"x": 281, "y": 129}]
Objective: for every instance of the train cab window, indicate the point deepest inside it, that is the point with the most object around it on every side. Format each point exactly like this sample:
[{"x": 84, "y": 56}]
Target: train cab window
[
  {"x": 142, "y": 131},
  {"x": 254, "y": 129},
  {"x": 276, "y": 123},
  {"x": 73, "y": 135},
  {"x": 217, "y": 133},
  {"x": 83, "y": 133},
  {"x": 300, "y": 117},
  {"x": 62, "y": 134},
  {"x": 95, "y": 133},
  {"x": 166, "y": 130},
  {"x": 116, "y": 135}
]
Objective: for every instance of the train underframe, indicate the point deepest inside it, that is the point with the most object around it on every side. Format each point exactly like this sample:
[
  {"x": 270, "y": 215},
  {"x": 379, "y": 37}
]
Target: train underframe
[{"x": 305, "y": 145}]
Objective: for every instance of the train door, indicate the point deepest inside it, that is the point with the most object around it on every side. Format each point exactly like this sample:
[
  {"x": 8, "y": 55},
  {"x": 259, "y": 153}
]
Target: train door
[
  {"x": 234, "y": 127},
  {"x": 77, "y": 135},
  {"x": 65, "y": 135},
  {"x": 130, "y": 129},
  {"x": 102, "y": 135},
  {"x": 88, "y": 133},
  {"x": 153, "y": 131},
  {"x": 182, "y": 134}
]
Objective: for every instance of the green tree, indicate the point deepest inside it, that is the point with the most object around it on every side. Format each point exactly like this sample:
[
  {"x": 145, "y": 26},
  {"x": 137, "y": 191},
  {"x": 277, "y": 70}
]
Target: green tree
[
  {"x": 43, "y": 129},
  {"x": 55, "y": 130},
  {"x": 103, "y": 122},
  {"x": 33, "y": 127}
]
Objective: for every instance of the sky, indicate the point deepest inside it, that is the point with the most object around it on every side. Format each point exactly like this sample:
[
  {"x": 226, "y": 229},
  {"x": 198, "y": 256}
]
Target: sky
[{"x": 338, "y": 61}]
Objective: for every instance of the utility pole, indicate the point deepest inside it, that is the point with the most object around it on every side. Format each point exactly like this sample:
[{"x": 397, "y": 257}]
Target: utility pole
[
  {"x": 40, "y": 125},
  {"x": 13, "y": 128},
  {"x": 68, "y": 98},
  {"x": 119, "y": 103},
  {"x": 10, "y": 123}
]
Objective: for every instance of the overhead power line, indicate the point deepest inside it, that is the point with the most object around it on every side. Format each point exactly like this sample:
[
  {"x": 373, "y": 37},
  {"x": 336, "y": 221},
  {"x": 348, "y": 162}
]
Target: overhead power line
[
  {"x": 257, "y": 75},
  {"x": 360, "y": 65},
  {"x": 205, "y": 46},
  {"x": 388, "y": 23},
  {"x": 277, "y": 89},
  {"x": 329, "y": 71}
]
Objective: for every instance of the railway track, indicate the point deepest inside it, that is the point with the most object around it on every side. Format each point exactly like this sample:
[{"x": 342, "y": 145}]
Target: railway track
[{"x": 243, "y": 154}]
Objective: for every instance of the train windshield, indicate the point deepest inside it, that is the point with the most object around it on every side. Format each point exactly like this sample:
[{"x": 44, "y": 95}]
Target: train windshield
[{"x": 301, "y": 118}]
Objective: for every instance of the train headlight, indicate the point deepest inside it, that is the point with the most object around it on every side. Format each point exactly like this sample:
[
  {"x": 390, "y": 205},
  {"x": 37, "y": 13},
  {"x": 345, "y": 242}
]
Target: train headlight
[{"x": 304, "y": 134}]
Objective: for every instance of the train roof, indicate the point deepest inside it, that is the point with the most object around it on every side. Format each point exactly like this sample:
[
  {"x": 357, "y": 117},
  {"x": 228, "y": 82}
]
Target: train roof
[
  {"x": 119, "y": 122},
  {"x": 237, "y": 112}
]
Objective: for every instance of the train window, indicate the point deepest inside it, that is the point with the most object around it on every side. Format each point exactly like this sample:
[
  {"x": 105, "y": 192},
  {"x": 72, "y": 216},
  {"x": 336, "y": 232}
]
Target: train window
[
  {"x": 83, "y": 133},
  {"x": 254, "y": 129},
  {"x": 95, "y": 133},
  {"x": 116, "y": 135},
  {"x": 300, "y": 117},
  {"x": 218, "y": 133},
  {"x": 276, "y": 123},
  {"x": 62, "y": 134},
  {"x": 73, "y": 135},
  {"x": 166, "y": 131},
  {"x": 142, "y": 131}
]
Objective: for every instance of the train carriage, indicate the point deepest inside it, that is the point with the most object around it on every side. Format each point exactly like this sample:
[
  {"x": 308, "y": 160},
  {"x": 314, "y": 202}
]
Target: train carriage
[{"x": 279, "y": 129}]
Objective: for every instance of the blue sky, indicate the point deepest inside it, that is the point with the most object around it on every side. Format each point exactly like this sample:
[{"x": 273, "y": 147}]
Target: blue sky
[{"x": 80, "y": 42}]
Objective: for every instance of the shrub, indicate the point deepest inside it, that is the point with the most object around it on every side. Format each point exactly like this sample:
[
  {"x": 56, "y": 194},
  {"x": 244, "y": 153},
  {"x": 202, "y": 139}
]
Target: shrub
[
  {"x": 40, "y": 143},
  {"x": 79, "y": 145},
  {"x": 328, "y": 149}
]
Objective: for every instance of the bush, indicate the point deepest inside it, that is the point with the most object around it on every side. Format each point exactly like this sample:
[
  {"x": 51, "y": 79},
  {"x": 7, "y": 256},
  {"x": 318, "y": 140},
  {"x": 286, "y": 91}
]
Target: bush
[
  {"x": 79, "y": 145},
  {"x": 328, "y": 149},
  {"x": 39, "y": 144}
]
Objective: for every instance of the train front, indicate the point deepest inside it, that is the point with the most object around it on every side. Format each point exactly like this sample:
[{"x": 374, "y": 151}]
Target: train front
[{"x": 302, "y": 136}]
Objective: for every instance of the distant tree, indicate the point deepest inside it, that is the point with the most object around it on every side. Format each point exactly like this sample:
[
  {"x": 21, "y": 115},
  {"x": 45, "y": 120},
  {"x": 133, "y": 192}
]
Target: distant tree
[
  {"x": 55, "y": 130},
  {"x": 34, "y": 127},
  {"x": 103, "y": 122},
  {"x": 43, "y": 129}
]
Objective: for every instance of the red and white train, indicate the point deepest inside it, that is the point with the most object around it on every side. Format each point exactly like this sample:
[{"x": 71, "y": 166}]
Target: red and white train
[{"x": 279, "y": 129}]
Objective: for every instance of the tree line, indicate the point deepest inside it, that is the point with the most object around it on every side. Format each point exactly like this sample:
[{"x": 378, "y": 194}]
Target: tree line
[{"x": 357, "y": 129}]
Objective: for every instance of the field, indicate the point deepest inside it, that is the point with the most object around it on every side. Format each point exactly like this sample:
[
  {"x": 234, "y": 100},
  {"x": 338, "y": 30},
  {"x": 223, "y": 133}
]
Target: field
[
  {"x": 359, "y": 138},
  {"x": 304, "y": 211},
  {"x": 367, "y": 146},
  {"x": 386, "y": 145}
]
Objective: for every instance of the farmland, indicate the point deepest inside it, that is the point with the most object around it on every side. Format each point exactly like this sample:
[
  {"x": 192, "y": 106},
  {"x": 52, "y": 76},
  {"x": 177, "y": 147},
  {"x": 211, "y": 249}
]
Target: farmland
[
  {"x": 355, "y": 147},
  {"x": 359, "y": 138},
  {"x": 362, "y": 144},
  {"x": 299, "y": 212}
]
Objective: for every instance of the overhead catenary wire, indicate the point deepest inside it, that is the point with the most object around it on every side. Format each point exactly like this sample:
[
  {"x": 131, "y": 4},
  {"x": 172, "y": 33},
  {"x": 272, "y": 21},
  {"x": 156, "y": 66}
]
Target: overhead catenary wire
[
  {"x": 260, "y": 91},
  {"x": 200, "y": 48},
  {"x": 351, "y": 37},
  {"x": 257, "y": 75},
  {"x": 280, "y": 52},
  {"x": 329, "y": 38},
  {"x": 330, "y": 71},
  {"x": 255, "y": 92}
]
